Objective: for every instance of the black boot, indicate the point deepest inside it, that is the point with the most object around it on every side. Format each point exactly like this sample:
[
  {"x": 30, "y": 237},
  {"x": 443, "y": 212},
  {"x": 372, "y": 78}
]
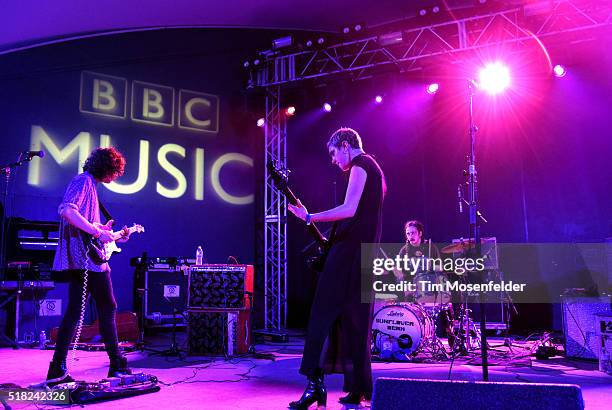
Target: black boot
[
  {"x": 58, "y": 373},
  {"x": 118, "y": 366},
  {"x": 315, "y": 391},
  {"x": 351, "y": 398}
]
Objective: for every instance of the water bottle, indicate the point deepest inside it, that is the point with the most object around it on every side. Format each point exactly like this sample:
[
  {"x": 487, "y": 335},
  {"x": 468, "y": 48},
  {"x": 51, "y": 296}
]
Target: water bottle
[
  {"x": 42, "y": 339},
  {"x": 199, "y": 256}
]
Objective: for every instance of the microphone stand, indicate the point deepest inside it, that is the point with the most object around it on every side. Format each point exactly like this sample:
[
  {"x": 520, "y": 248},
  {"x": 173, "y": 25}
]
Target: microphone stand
[
  {"x": 7, "y": 170},
  {"x": 474, "y": 220}
]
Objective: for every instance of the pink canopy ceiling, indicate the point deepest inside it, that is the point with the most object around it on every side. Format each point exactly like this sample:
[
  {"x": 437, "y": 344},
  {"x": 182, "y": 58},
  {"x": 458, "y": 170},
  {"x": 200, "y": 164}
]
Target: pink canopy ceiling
[{"x": 24, "y": 23}]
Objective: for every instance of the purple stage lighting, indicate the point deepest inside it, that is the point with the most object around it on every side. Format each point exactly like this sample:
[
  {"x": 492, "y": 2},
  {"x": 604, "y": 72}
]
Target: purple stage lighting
[
  {"x": 559, "y": 70},
  {"x": 433, "y": 88},
  {"x": 378, "y": 99},
  {"x": 494, "y": 78},
  {"x": 261, "y": 122},
  {"x": 327, "y": 107}
]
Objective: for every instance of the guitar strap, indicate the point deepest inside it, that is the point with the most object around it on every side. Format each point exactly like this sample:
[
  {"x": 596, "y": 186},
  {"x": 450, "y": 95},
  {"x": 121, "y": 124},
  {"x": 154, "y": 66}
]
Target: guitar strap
[{"x": 104, "y": 211}]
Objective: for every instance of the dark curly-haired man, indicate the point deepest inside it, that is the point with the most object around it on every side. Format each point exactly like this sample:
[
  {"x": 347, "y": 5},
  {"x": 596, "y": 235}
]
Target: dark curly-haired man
[{"x": 80, "y": 221}]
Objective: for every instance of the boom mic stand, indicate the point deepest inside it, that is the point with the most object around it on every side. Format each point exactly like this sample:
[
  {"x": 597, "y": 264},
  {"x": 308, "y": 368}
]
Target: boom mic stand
[
  {"x": 474, "y": 221},
  {"x": 7, "y": 170}
]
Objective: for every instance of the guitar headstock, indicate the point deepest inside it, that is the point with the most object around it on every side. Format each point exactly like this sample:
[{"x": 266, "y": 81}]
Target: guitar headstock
[
  {"x": 279, "y": 174},
  {"x": 137, "y": 228}
]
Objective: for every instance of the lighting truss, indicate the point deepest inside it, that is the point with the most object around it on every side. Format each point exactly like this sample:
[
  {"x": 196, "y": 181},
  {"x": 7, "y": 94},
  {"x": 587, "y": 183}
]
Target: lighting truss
[
  {"x": 513, "y": 27},
  {"x": 275, "y": 217}
]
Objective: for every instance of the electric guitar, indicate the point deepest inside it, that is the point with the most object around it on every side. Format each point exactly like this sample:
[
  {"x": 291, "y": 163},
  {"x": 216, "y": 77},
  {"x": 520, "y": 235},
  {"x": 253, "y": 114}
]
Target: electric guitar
[
  {"x": 100, "y": 252},
  {"x": 280, "y": 177}
]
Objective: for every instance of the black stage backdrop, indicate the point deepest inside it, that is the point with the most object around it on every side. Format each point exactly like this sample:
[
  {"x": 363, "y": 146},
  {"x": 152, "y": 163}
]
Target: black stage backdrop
[
  {"x": 543, "y": 152},
  {"x": 172, "y": 101}
]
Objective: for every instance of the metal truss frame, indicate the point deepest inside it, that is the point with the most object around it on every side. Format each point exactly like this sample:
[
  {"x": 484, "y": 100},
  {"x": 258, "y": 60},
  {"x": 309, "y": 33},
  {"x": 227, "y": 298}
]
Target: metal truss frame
[
  {"x": 409, "y": 49},
  {"x": 275, "y": 217}
]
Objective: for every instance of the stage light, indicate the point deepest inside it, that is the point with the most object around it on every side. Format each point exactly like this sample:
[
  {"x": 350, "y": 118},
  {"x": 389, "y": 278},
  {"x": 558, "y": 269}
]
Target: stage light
[
  {"x": 422, "y": 12},
  {"x": 494, "y": 78},
  {"x": 436, "y": 9},
  {"x": 309, "y": 43},
  {"x": 246, "y": 64},
  {"x": 327, "y": 107},
  {"x": 283, "y": 42},
  {"x": 358, "y": 28},
  {"x": 290, "y": 110},
  {"x": 378, "y": 99},
  {"x": 346, "y": 30},
  {"x": 320, "y": 41},
  {"x": 433, "y": 88},
  {"x": 390, "y": 39},
  {"x": 261, "y": 122},
  {"x": 559, "y": 70}
]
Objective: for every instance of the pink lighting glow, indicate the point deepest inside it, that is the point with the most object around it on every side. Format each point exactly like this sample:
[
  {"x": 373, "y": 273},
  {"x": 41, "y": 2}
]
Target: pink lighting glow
[{"x": 494, "y": 78}]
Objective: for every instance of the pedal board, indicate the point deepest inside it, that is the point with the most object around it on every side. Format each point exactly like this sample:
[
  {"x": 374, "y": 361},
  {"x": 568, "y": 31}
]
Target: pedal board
[{"x": 112, "y": 388}]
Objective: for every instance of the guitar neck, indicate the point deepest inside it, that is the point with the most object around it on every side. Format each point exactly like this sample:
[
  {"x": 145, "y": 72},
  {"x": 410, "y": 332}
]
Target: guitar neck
[{"x": 312, "y": 228}]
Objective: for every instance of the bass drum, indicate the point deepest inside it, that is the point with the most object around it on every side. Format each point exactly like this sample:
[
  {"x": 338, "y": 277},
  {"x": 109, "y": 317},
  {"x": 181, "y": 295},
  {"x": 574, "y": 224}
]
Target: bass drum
[{"x": 400, "y": 331}]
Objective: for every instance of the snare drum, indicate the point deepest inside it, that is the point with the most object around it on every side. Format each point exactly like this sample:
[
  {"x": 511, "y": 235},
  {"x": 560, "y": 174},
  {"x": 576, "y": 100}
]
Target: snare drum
[
  {"x": 400, "y": 331},
  {"x": 383, "y": 299},
  {"x": 435, "y": 291}
]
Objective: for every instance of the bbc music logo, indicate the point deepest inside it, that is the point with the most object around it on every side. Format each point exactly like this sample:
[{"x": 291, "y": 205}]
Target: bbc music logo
[{"x": 155, "y": 104}]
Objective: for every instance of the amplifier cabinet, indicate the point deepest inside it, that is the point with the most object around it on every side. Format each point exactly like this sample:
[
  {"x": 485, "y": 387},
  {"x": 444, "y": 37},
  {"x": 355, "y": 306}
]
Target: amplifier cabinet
[
  {"x": 220, "y": 286},
  {"x": 218, "y": 332},
  {"x": 580, "y": 325},
  {"x": 165, "y": 290}
]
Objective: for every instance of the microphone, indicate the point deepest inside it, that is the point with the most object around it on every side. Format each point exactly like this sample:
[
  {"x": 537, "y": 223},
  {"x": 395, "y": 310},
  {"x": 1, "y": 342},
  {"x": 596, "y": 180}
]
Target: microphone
[
  {"x": 460, "y": 198},
  {"x": 32, "y": 154}
]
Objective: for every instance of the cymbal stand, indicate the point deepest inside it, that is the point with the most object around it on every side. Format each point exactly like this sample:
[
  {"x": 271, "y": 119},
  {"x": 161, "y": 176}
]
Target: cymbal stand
[{"x": 434, "y": 345}]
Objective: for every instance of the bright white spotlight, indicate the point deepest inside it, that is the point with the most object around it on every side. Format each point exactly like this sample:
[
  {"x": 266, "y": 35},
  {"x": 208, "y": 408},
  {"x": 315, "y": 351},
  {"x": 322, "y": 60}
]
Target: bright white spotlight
[
  {"x": 290, "y": 110},
  {"x": 327, "y": 107},
  {"x": 559, "y": 70},
  {"x": 378, "y": 99},
  {"x": 261, "y": 122},
  {"x": 433, "y": 88},
  {"x": 494, "y": 78}
]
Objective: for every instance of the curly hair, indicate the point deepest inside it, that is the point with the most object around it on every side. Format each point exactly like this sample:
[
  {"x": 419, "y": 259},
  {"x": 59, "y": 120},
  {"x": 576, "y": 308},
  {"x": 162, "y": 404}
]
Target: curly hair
[
  {"x": 105, "y": 162},
  {"x": 345, "y": 134},
  {"x": 418, "y": 225}
]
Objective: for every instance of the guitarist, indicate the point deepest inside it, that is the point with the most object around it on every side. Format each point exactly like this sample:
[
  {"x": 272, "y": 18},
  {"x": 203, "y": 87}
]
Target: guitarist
[
  {"x": 339, "y": 328},
  {"x": 80, "y": 221}
]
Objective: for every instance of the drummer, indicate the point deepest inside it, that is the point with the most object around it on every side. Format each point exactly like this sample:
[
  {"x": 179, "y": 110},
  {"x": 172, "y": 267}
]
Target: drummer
[{"x": 418, "y": 247}]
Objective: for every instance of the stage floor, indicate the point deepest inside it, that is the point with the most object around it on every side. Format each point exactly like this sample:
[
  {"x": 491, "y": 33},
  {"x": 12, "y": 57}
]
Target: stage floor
[{"x": 262, "y": 383}]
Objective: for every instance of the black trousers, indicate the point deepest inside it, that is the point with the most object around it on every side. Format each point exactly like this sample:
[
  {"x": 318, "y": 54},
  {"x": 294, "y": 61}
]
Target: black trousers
[{"x": 100, "y": 287}]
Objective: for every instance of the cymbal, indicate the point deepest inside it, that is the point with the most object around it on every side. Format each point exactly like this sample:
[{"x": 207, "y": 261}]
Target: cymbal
[{"x": 461, "y": 246}]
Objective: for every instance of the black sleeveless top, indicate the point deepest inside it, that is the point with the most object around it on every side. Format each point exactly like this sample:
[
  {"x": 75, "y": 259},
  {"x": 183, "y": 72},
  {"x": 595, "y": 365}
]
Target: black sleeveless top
[{"x": 365, "y": 226}]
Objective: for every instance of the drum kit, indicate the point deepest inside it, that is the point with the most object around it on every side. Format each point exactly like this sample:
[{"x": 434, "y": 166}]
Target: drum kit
[{"x": 403, "y": 330}]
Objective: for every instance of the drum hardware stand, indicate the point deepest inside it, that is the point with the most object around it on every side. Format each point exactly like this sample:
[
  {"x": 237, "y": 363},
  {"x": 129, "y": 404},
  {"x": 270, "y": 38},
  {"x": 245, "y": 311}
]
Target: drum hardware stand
[
  {"x": 464, "y": 341},
  {"x": 434, "y": 345}
]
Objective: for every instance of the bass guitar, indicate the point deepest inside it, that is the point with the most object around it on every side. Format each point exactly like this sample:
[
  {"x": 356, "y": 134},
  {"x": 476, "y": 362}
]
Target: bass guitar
[{"x": 280, "y": 177}]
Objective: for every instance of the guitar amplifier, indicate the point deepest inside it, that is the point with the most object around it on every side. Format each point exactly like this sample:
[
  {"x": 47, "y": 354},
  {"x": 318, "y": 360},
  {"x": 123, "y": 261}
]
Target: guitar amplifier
[
  {"x": 165, "y": 290},
  {"x": 218, "y": 332},
  {"x": 580, "y": 325},
  {"x": 220, "y": 286},
  {"x": 39, "y": 307}
]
